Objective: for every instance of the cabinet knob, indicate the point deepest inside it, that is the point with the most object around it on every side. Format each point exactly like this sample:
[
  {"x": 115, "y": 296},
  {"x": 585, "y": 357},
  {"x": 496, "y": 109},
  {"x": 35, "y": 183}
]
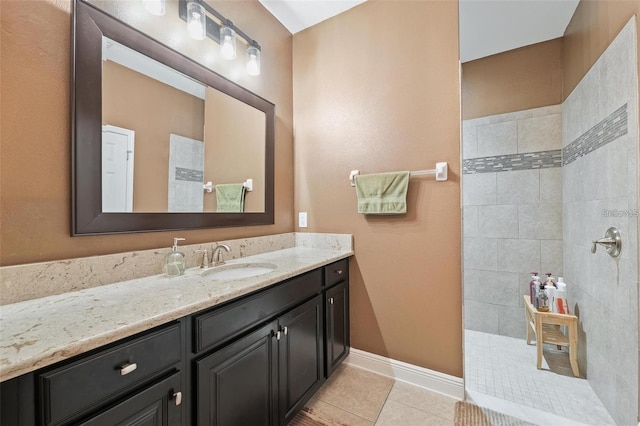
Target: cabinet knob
[
  {"x": 285, "y": 330},
  {"x": 278, "y": 335},
  {"x": 177, "y": 396},
  {"x": 127, "y": 368},
  {"x": 331, "y": 300},
  {"x": 339, "y": 272}
]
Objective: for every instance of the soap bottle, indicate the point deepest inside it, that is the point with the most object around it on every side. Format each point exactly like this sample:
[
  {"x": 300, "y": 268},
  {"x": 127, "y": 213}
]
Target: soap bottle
[
  {"x": 533, "y": 286},
  {"x": 174, "y": 263},
  {"x": 543, "y": 299},
  {"x": 550, "y": 279},
  {"x": 549, "y": 287}
]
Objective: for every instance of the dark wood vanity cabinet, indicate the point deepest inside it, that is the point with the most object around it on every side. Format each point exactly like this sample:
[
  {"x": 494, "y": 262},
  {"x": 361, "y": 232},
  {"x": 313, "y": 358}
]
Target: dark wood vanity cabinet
[
  {"x": 336, "y": 325},
  {"x": 237, "y": 384},
  {"x": 263, "y": 378},
  {"x": 336, "y": 315},
  {"x": 135, "y": 382},
  {"x": 157, "y": 405},
  {"x": 301, "y": 356},
  {"x": 253, "y": 361}
]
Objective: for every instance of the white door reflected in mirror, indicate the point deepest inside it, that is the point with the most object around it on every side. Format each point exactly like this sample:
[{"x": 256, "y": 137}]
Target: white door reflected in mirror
[{"x": 117, "y": 169}]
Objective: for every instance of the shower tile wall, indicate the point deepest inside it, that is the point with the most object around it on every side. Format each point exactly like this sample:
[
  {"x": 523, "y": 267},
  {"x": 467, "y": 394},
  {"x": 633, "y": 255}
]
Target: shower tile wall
[
  {"x": 512, "y": 197},
  {"x": 599, "y": 191}
]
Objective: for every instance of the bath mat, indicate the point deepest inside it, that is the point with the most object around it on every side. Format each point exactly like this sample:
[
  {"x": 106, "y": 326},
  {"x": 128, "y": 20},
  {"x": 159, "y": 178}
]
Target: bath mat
[
  {"x": 304, "y": 418},
  {"x": 468, "y": 414}
]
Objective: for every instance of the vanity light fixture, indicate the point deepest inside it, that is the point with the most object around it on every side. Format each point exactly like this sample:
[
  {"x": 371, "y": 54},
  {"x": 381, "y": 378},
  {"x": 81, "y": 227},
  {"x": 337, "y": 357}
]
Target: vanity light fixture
[
  {"x": 228, "y": 41},
  {"x": 204, "y": 21},
  {"x": 196, "y": 20},
  {"x": 155, "y": 7},
  {"x": 253, "y": 60}
]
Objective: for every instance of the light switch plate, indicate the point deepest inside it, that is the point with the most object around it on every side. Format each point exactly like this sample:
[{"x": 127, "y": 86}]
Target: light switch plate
[{"x": 302, "y": 219}]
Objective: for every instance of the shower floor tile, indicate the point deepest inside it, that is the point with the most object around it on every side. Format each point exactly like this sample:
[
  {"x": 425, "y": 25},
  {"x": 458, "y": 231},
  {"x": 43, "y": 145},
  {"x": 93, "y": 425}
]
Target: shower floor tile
[{"x": 505, "y": 367}]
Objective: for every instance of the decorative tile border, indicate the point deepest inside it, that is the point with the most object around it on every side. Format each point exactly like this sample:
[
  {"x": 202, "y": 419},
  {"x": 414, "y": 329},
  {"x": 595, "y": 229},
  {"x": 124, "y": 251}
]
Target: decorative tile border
[
  {"x": 606, "y": 131},
  {"x": 190, "y": 175},
  {"x": 513, "y": 162}
]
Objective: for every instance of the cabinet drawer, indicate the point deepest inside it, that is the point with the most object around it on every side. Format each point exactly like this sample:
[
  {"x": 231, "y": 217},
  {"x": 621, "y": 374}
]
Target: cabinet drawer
[
  {"x": 336, "y": 272},
  {"x": 225, "y": 323},
  {"x": 155, "y": 405},
  {"x": 90, "y": 382}
]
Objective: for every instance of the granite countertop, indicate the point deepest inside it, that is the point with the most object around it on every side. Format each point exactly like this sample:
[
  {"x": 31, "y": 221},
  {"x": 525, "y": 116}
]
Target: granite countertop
[{"x": 41, "y": 332}]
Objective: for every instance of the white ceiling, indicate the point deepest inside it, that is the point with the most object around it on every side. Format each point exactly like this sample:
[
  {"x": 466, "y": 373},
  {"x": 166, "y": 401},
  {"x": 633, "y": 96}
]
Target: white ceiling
[
  {"x": 487, "y": 27},
  {"x": 296, "y": 15}
]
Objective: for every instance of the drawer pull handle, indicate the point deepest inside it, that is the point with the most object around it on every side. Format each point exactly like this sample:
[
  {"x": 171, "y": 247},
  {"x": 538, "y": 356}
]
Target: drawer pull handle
[
  {"x": 178, "y": 397},
  {"x": 339, "y": 272},
  {"x": 127, "y": 368},
  {"x": 331, "y": 300}
]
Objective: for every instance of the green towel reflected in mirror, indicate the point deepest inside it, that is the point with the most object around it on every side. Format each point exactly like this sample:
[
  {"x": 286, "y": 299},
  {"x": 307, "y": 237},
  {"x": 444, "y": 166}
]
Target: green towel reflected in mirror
[{"x": 230, "y": 197}]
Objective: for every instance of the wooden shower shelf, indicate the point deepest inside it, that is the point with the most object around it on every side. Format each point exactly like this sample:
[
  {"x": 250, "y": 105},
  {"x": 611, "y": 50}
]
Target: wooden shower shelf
[{"x": 546, "y": 328}]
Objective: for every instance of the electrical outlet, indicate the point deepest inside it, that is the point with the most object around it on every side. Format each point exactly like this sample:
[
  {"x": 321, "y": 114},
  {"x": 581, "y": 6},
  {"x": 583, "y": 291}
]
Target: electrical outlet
[{"x": 302, "y": 219}]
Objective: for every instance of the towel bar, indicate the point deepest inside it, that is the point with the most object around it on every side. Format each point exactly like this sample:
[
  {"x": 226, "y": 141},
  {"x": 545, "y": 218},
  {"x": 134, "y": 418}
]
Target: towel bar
[
  {"x": 441, "y": 172},
  {"x": 209, "y": 186}
]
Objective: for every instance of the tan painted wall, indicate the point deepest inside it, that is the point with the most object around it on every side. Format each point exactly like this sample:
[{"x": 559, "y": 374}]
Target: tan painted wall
[
  {"x": 234, "y": 133},
  {"x": 370, "y": 98},
  {"x": 593, "y": 27},
  {"x": 153, "y": 110},
  {"x": 35, "y": 152},
  {"x": 524, "y": 78}
]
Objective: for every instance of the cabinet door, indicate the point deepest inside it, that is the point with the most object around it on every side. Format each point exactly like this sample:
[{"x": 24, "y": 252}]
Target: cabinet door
[
  {"x": 337, "y": 325},
  {"x": 237, "y": 384},
  {"x": 301, "y": 356},
  {"x": 158, "y": 405}
]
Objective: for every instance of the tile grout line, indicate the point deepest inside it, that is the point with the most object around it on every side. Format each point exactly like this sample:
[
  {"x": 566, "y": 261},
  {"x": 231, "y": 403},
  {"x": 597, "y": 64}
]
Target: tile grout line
[
  {"x": 347, "y": 411},
  {"x": 384, "y": 403},
  {"x": 422, "y": 410}
]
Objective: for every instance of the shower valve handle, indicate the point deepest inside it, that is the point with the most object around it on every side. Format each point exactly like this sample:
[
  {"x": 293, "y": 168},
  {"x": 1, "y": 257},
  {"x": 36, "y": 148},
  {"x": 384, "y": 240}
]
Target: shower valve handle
[
  {"x": 605, "y": 242},
  {"x": 612, "y": 241}
]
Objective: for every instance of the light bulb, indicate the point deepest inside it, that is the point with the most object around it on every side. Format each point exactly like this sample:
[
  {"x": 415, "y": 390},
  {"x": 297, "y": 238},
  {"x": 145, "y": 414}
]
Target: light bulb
[
  {"x": 155, "y": 7},
  {"x": 253, "y": 61},
  {"x": 227, "y": 43},
  {"x": 196, "y": 21}
]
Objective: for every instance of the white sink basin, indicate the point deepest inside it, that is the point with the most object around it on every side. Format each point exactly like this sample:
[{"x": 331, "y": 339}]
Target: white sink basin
[{"x": 239, "y": 271}]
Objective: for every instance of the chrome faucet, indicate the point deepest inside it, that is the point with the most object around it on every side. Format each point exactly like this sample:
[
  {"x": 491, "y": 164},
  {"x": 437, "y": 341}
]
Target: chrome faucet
[{"x": 216, "y": 254}]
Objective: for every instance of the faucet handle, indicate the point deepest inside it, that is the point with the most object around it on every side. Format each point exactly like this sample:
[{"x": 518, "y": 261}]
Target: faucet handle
[
  {"x": 205, "y": 259},
  {"x": 612, "y": 241}
]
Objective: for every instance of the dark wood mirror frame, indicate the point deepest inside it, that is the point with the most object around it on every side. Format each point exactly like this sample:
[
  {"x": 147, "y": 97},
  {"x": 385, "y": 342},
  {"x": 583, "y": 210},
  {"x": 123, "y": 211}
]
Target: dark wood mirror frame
[{"x": 89, "y": 25}]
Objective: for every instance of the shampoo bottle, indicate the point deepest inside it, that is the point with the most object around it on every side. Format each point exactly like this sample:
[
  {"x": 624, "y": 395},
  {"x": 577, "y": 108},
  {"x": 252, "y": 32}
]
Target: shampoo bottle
[
  {"x": 174, "y": 263},
  {"x": 561, "y": 305},
  {"x": 550, "y": 279},
  {"x": 533, "y": 287},
  {"x": 551, "y": 294}
]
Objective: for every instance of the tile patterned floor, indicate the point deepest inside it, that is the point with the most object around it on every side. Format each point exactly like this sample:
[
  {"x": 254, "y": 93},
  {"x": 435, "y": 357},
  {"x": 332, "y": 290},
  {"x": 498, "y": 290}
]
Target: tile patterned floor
[
  {"x": 356, "y": 397},
  {"x": 505, "y": 368}
]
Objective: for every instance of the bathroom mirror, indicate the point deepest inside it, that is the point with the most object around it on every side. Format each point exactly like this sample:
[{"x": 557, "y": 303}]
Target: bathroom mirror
[{"x": 177, "y": 124}]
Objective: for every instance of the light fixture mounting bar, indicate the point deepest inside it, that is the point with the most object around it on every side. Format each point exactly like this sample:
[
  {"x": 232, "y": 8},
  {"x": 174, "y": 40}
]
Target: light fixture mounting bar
[{"x": 213, "y": 28}]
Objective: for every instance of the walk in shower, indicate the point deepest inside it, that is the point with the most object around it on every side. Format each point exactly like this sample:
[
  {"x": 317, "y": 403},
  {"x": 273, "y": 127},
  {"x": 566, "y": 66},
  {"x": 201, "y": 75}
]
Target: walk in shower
[{"x": 539, "y": 186}]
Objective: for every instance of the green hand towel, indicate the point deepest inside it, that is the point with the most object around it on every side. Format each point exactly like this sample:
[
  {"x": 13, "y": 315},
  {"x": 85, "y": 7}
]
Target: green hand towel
[
  {"x": 230, "y": 198},
  {"x": 382, "y": 193}
]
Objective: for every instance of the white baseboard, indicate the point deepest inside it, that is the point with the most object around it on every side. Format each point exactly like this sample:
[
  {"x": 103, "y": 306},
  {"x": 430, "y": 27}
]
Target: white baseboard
[{"x": 423, "y": 377}]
